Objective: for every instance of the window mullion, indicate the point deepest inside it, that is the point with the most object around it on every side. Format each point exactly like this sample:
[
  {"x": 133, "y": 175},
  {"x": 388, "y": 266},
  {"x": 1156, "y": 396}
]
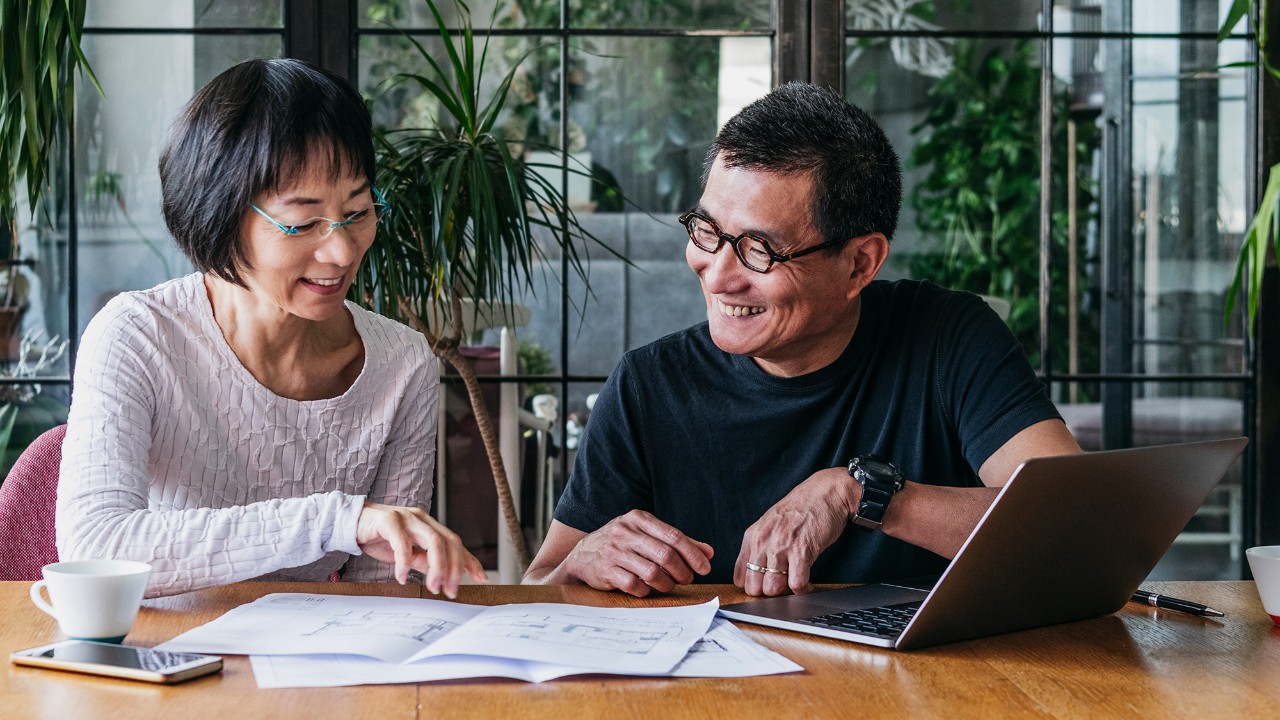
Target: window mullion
[
  {"x": 791, "y": 48},
  {"x": 826, "y": 43}
]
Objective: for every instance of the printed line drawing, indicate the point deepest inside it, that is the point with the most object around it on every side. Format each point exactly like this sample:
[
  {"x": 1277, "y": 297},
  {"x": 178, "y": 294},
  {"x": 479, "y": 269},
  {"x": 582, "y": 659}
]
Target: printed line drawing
[
  {"x": 422, "y": 628},
  {"x": 589, "y": 634},
  {"x": 708, "y": 646}
]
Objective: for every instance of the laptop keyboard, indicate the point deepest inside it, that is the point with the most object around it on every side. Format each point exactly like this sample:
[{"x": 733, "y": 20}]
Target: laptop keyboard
[{"x": 886, "y": 621}]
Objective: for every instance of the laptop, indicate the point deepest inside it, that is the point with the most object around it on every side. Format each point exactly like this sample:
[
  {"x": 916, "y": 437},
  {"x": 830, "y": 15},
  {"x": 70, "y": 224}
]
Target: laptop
[{"x": 1068, "y": 538}]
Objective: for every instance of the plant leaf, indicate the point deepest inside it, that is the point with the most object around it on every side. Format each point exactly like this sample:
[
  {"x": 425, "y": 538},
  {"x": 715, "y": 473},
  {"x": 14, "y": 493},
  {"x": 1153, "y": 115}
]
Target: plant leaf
[
  {"x": 1239, "y": 8},
  {"x": 1263, "y": 232}
]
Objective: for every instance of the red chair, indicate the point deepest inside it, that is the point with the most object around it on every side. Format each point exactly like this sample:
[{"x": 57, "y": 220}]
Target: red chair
[{"x": 27, "y": 500}]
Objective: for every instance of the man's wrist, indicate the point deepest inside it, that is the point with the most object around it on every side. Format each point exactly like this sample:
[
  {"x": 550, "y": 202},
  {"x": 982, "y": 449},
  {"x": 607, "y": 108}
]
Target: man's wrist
[
  {"x": 847, "y": 494},
  {"x": 555, "y": 575},
  {"x": 902, "y": 501}
]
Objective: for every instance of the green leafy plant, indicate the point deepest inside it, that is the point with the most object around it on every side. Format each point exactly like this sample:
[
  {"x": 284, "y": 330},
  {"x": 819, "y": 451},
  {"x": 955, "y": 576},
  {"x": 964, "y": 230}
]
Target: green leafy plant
[
  {"x": 980, "y": 142},
  {"x": 39, "y": 58},
  {"x": 465, "y": 213},
  {"x": 535, "y": 360},
  {"x": 675, "y": 79},
  {"x": 1265, "y": 225}
]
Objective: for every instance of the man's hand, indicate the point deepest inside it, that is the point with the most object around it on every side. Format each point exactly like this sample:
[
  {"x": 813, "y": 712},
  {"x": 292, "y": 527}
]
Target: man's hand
[
  {"x": 786, "y": 540},
  {"x": 635, "y": 553},
  {"x": 413, "y": 540}
]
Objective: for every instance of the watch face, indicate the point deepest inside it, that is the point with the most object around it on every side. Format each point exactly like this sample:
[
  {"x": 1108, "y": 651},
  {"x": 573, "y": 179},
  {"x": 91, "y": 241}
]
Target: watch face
[{"x": 877, "y": 467}]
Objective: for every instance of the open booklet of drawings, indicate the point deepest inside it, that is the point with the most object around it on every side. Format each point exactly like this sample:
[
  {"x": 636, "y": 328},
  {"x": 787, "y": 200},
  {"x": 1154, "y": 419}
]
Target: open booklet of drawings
[{"x": 531, "y": 638}]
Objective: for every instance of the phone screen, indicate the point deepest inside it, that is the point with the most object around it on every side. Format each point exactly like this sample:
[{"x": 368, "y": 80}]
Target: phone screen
[{"x": 118, "y": 656}]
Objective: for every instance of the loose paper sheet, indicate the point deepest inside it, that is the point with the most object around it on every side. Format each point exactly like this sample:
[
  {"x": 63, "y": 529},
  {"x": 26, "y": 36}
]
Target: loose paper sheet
[
  {"x": 405, "y": 630},
  {"x": 725, "y": 651}
]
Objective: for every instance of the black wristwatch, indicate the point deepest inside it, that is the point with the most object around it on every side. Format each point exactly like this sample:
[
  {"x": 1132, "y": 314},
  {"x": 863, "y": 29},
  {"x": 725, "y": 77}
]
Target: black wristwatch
[{"x": 879, "y": 479}]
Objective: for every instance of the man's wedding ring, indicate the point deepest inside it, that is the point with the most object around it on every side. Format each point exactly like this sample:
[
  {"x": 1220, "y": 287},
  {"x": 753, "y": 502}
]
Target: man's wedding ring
[{"x": 763, "y": 569}]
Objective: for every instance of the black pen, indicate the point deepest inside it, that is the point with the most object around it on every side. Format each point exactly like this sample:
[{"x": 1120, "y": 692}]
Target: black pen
[{"x": 1171, "y": 603}]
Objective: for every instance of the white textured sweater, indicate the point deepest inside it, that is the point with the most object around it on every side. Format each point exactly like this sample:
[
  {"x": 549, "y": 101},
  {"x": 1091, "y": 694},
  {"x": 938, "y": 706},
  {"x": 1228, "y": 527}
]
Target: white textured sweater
[{"x": 176, "y": 456}]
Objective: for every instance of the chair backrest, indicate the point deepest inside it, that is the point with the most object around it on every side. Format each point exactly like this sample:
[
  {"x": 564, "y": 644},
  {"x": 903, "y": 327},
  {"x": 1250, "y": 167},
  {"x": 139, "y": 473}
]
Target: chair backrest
[{"x": 27, "y": 500}]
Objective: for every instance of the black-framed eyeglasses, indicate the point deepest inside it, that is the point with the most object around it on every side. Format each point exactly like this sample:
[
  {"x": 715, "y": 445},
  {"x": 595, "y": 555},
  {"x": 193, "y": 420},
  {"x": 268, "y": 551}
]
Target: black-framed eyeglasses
[{"x": 754, "y": 252}]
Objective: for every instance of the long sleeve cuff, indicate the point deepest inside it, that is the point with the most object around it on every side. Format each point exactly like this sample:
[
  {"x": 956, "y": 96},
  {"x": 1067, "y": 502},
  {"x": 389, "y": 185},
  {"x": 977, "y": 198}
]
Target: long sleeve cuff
[{"x": 344, "y": 529}]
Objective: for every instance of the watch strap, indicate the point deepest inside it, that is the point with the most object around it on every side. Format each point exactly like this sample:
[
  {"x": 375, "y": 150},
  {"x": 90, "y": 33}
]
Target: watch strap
[{"x": 878, "y": 488}]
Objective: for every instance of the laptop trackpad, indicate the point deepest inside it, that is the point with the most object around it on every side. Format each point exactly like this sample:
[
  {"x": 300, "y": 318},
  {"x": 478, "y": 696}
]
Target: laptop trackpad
[{"x": 798, "y": 607}]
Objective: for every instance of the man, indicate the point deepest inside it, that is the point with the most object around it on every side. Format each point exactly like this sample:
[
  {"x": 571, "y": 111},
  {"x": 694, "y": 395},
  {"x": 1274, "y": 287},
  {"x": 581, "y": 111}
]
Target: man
[{"x": 724, "y": 452}]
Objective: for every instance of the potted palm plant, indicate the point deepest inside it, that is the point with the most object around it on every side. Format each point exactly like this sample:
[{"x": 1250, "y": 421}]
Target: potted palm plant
[
  {"x": 39, "y": 58},
  {"x": 460, "y": 237}
]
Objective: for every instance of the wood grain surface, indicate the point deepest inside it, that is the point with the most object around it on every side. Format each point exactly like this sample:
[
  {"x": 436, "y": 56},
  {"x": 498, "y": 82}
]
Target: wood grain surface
[{"x": 1140, "y": 662}]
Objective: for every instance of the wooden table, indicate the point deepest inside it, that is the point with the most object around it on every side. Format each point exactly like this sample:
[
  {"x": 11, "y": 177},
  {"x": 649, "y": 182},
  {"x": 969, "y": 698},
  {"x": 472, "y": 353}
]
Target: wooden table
[{"x": 1139, "y": 663}]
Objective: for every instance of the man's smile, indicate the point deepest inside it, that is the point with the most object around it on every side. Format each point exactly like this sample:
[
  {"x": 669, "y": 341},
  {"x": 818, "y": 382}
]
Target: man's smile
[{"x": 737, "y": 310}]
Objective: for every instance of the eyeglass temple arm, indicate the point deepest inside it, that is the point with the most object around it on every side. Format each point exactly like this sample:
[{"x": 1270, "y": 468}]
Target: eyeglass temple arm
[{"x": 283, "y": 228}]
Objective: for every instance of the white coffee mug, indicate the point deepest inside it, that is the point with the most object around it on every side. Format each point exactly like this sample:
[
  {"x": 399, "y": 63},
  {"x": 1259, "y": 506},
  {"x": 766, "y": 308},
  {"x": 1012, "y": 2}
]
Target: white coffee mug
[
  {"x": 93, "y": 599},
  {"x": 1264, "y": 562}
]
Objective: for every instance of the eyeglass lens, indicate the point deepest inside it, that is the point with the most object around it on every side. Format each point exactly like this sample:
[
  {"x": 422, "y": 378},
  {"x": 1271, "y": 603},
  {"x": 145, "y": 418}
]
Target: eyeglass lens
[
  {"x": 359, "y": 221},
  {"x": 750, "y": 250}
]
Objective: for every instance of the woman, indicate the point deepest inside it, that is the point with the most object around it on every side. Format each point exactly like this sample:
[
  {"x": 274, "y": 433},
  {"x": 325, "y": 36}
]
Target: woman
[{"x": 245, "y": 421}]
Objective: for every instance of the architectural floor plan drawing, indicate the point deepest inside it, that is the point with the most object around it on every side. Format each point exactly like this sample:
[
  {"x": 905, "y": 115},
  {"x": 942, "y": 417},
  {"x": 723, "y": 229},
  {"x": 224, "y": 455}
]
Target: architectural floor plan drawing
[
  {"x": 407, "y": 630},
  {"x": 308, "y": 640},
  {"x": 725, "y": 651},
  {"x": 423, "y": 628},
  {"x": 707, "y": 646},
  {"x": 579, "y": 632},
  {"x": 632, "y": 640}
]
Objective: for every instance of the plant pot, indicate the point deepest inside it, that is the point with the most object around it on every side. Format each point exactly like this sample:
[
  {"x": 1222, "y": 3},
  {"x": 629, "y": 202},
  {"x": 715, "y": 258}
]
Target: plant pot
[{"x": 11, "y": 330}]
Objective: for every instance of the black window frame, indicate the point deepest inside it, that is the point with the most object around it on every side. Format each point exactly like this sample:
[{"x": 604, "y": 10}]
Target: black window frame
[{"x": 809, "y": 38}]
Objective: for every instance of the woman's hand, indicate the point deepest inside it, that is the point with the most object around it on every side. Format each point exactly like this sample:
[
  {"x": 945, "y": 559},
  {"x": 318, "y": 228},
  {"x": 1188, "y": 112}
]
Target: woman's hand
[{"x": 413, "y": 540}]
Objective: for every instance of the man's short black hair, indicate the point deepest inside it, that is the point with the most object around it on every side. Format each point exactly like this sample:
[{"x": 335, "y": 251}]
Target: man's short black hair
[
  {"x": 800, "y": 127},
  {"x": 252, "y": 129}
]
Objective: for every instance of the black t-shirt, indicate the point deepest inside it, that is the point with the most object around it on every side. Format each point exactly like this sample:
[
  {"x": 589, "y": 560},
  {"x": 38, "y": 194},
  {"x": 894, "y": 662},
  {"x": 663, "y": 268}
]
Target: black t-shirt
[{"x": 706, "y": 441}]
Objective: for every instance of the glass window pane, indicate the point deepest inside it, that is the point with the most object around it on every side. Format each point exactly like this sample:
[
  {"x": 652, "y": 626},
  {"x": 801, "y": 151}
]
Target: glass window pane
[
  {"x": 1184, "y": 182},
  {"x": 596, "y": 316},
  {"x": 123, "y": 242},
  {"x": 189, "y": 14},
  {"x": 33, "y": 314},
  {"x": 672, "y": 14},
  {"x": 648, "y": 108},
  {"x": 648, "y": 132},
  {"x": 969, "y": 138},
  {"x": 917, "y": 15},
  {"x": 416, "y": 14},
  {"x": 531, "y": 112},
  {"x": 1185, "y": 16},
  {"x": 583, "y": 14},
  {"x": 33, "y": 409},
  {"x": 628, "y": 305}
]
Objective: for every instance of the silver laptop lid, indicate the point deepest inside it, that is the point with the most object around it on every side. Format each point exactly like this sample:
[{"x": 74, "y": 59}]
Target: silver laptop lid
[{"x": 1068, "y": 538}]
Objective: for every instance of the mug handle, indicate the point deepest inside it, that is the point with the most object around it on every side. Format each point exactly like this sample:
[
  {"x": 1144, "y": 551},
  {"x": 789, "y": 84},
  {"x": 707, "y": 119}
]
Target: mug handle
[{"x": 38, "y": 598}]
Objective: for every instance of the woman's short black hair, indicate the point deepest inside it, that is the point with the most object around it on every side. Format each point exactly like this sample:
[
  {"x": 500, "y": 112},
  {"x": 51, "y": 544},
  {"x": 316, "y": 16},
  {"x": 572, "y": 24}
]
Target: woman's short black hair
[
  {"x": 252, "y": 130},
  {"x": 801, "y": 127}
]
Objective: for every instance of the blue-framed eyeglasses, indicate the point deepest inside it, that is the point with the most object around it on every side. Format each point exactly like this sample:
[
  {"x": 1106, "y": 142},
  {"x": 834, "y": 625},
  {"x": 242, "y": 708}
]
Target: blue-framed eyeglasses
[{"x": 321, "y": 227}]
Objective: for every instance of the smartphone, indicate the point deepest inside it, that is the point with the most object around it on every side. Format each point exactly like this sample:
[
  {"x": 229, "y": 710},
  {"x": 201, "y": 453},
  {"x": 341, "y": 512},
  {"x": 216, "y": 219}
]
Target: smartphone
[{"x": 124, "y": 661}]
